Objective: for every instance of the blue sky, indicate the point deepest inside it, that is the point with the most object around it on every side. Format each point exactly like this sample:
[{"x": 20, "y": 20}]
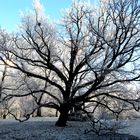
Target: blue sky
[{"x": 10, "y": 10}]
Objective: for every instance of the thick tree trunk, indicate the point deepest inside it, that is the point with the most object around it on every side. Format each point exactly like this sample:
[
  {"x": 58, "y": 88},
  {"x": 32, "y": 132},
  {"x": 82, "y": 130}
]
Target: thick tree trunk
[
  {"x": 4, "y": 116},
  {"x": 38, "y": 113},
  {"x": 62, "y": 120},
  {"x": 56, "y": 114}
]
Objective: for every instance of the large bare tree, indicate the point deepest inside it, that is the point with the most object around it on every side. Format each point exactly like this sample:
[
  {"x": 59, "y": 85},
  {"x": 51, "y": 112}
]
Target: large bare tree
[{"x": 88, "y": 58}]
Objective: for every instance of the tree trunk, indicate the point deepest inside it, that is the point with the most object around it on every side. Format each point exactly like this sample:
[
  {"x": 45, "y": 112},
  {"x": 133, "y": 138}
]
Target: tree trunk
[
  {"x": 62, "y": 120},
  {"x": 38, "y": 113},
  {"x": 4, "y": 116},
  {"x": 56, "y": 114}
]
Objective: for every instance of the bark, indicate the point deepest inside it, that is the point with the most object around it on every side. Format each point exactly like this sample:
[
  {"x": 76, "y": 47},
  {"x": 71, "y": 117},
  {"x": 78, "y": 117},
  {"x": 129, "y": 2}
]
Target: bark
[
  {"x": 4, "y": 116},
  {"x": 56, "y": 114},
  {"x": 38, "y": 114},
  {"x": 63, "y": 117}
]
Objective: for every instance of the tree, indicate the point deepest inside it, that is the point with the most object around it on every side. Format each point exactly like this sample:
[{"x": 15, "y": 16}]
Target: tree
[
  {"x": 3, "y": 104},
  {"x": 93, "y": 52},
  {"x": 6, "y": 77},
  {"x": 37, "y": 99}
]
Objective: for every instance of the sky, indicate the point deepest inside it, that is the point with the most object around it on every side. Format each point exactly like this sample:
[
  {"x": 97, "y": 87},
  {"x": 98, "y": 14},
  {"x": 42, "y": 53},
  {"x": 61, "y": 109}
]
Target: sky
[{"x": 10, "y": 11}]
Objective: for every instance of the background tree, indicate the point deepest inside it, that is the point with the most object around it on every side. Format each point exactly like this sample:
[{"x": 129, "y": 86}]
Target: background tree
[
  {"x": 93, "y": 52},
  {"x": 6, "y": 87}
]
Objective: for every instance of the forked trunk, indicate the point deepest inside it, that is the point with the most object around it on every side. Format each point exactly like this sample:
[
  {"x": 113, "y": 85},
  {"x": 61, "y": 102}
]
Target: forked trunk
[{"x": 62, "y": 120}]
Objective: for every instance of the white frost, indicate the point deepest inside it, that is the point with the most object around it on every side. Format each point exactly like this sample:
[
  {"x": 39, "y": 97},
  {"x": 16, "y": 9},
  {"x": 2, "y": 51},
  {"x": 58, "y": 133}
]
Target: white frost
[{"x": 43, "y": 128}]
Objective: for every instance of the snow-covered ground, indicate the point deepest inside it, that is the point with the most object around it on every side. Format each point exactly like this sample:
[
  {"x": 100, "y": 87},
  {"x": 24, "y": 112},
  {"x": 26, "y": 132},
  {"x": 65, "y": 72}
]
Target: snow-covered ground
[
  {"x": 44, "y": 129},
  {"x": 133, "y": 127},
  {"x": 41, "y": 129}
]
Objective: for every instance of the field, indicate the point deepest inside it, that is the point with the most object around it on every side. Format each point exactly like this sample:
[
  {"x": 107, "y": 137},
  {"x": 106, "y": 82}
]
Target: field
[{"x": 43, "y": 129}]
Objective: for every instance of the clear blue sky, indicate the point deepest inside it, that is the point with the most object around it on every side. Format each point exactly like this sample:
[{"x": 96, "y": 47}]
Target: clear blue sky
[{"x": 10, "y": 10}]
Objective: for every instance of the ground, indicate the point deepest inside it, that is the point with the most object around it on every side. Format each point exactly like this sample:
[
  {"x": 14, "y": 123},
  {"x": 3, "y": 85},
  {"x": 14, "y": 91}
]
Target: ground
[{"x": 44, "y": 129}]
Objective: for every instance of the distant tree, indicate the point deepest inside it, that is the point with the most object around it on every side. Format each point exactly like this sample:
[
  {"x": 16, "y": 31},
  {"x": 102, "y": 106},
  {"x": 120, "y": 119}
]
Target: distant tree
[
  {"x": 39, "y": 98},
  {"x": 5, "y": 88},
  {"x": 3, "y": 107},
  {"x": 94, "y": 51}
]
